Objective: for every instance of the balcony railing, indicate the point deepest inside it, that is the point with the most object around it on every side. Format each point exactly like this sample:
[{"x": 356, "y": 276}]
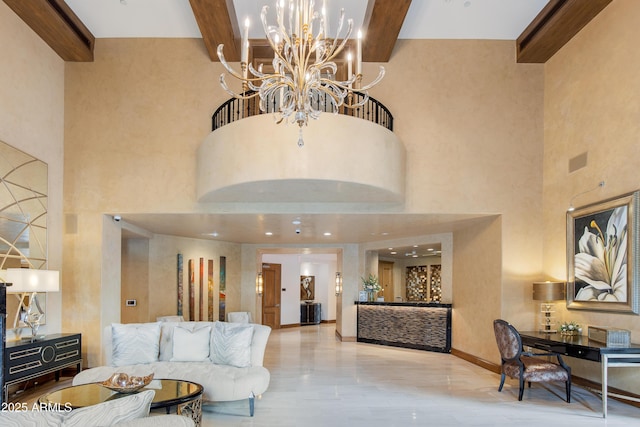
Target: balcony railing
[{"x": 235, "y": 109}]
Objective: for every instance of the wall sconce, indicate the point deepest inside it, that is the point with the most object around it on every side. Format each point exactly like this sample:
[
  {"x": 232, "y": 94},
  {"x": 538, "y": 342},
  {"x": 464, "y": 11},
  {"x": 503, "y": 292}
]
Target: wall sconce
[
  {"x": 338, "y": 283},
  {"x": 259, "y": 284},
  {"x": 27, "y": 281},
  {"x": 548, "y": 292}
]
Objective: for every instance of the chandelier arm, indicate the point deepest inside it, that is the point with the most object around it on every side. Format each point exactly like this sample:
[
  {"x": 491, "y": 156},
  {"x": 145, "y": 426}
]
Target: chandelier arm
[
  {"x": 226, "y": 88},
  {"x": 335, "y": 49},
  {"x": 376, "y": 81},
  {"x": 336, "y": 100},
  {"x": 365, "y": 98}
]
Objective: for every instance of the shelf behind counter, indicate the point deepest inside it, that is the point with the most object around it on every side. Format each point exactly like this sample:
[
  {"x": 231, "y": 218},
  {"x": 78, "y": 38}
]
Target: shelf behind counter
[{"x": 412, "y": 324}]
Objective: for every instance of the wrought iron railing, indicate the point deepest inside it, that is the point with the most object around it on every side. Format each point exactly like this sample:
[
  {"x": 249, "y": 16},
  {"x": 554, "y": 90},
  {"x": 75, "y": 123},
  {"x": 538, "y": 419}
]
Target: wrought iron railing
[{"x": 235, "y": 109}]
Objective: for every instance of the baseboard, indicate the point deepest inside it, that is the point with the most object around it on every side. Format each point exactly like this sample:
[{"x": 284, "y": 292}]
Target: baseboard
[
  {"x": 612, "y": 392},
  {"x": 328, "y": 321},
  {"x": 489, "y": 366},
  {"x": 344, "y": 339},
  {"x": 291, "y": 325}
]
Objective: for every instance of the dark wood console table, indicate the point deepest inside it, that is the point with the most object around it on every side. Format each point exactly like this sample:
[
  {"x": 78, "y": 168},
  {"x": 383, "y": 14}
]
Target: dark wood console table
[
  {"x": 26, "y": 359},
  {"x": 310, "y": 313},
  {"x": 582, "y": 347}
]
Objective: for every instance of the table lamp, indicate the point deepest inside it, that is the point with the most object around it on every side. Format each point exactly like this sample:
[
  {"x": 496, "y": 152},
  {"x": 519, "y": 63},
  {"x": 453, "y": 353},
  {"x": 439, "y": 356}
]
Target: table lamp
[
  {"x": 547, "y": 292},
  {"x": 28, "y": 282}
]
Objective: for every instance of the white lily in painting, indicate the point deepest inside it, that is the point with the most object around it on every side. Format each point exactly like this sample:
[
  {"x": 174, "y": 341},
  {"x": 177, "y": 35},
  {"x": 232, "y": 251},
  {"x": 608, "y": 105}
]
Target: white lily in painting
[{"x": 602, "y": 260}]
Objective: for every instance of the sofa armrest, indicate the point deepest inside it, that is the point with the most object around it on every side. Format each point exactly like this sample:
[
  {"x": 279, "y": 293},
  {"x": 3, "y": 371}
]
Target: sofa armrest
[{"x": 259, "y": 344}]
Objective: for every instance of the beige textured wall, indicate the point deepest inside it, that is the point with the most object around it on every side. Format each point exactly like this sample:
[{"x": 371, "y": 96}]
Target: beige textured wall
[
  {"x": 135, "y": 281},
  {"x": 32, "y": 120},
  {"x": 592, "y": 105},
  {"x": 163, "y": 251},
  {"x": 469, "y": 116},
  {"x": 477, "y": 295}
]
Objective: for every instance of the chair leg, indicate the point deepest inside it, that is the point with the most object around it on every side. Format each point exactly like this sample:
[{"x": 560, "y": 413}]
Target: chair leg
[
  {"x": 252, "y": 398},
  {"x": 568, "y": 387},
  {"x": 501, "y": 382},
  {"x": 521, "y": 392}
]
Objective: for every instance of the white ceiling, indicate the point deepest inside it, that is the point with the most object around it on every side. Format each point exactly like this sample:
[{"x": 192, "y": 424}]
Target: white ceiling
[{"x": 426, "y": 19}]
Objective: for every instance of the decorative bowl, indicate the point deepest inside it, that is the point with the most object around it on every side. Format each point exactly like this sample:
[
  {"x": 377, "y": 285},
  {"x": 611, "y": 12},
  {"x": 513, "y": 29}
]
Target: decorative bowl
[{"x": 123, "y": 383}]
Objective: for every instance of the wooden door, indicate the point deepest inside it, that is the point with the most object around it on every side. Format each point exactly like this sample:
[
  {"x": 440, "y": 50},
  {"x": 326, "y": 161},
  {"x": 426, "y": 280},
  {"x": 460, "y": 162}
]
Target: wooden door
[
  {"x": 385, "y": 275},
  {"x": 271, "y": 295}
]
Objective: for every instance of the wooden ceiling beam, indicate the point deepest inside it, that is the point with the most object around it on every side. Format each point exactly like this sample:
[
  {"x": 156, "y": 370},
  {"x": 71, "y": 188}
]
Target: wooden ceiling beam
[
  {"x": 382, "y": 23},
  {"x": 58, "y": 26},
  {"x": 554, "y": 26},
  {"x": 218, "y": 25}
]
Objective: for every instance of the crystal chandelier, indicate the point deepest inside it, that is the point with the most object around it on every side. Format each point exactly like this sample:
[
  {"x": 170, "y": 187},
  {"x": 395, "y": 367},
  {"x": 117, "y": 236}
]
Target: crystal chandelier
[{"x": 303, "y": 83}]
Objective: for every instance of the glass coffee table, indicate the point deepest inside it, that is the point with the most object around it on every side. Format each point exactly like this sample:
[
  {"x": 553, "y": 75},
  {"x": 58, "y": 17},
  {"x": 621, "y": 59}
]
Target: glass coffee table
[{"x": 184, "y": 395}]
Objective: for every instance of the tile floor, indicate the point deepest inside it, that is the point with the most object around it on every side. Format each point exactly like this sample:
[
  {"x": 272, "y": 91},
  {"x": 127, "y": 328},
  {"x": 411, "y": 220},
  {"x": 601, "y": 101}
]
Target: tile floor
[{"x": 318, "y": 381}]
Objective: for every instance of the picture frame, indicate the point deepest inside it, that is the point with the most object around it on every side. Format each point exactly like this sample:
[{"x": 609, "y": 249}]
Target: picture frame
[
  {"x": 602, "y": 256},
  {"x": 307, "y": 288}
]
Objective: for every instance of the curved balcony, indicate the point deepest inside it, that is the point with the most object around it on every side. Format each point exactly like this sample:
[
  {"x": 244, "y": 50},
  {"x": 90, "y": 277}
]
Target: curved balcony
[
  {"x": 249, "y": 158},
  {"x": 235, "y": 109}
]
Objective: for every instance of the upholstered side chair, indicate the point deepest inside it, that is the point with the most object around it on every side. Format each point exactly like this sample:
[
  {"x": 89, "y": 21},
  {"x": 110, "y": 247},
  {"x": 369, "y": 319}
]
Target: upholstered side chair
[
  {"x": 239, "y": 317},
  {"x": 526, "y": 366}
]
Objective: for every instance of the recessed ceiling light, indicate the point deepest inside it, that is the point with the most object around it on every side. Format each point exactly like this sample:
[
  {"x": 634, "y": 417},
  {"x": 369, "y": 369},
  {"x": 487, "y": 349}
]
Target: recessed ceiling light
[
  {"x": 214, "y": 234},
  {"x": 390, "y": 249},
  {"x": 385, "y": 234},
  {"x": 268, "y": 233},
  {"x": 415, "y": 246},
  {"x": 430, "y": 249},
  {"x": 326, "y": 233},
  {"x": 393, "y": 252},
  {"x": 415, "y": 256},
  {"x": 296, "y": 222}
]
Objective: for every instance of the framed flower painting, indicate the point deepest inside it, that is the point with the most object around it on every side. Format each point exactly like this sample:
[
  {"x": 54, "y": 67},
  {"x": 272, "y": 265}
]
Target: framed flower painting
[{"x": 602, "y": 256}]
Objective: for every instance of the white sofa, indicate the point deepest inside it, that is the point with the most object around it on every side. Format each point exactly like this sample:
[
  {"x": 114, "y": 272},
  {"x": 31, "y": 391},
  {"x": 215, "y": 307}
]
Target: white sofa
[{"x": 225, "y": 358}]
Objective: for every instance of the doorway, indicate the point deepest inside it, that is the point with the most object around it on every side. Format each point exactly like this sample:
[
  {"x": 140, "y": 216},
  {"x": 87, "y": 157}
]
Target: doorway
[{"x": 271, "y": 277}]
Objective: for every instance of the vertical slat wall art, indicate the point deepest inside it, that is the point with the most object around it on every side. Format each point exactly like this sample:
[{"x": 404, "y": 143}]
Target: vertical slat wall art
[
  {"x": 180, "y": 271},
  {"x": 201, "y": 293},
  {"x": 223, "y": 288},
  {"x": 192, "y": 299},
  {"x": 210, "y": 288}
]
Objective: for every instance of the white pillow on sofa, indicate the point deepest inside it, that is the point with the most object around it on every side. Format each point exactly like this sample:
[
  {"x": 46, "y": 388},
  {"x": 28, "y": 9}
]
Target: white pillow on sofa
[
  {"x": 191, "y": 346},
  {"x": 135, "y": 343},
  {"x": 231, "y": 344}
]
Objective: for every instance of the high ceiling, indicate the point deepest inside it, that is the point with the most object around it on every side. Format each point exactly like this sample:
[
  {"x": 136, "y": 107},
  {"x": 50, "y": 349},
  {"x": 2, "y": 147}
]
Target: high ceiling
[
  {"x": 538, "y": 27},
  {"x": 426, "y": 19}
]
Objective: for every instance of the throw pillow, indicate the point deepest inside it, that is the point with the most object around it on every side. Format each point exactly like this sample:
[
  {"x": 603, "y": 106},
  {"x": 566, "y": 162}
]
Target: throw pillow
[
  {"x": 231, "y": 344},
  {"x": 129, "y": 407},
  {"x": 191, "y": 346},
  {"x": 135, "y": 343}
]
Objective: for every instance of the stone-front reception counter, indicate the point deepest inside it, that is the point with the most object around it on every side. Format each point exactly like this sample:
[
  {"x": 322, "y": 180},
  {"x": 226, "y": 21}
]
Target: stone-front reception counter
[{"x": 419, "y": 325}]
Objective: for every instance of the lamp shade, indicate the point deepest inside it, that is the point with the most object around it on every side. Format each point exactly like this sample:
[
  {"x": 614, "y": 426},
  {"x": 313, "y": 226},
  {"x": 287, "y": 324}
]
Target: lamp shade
[
  {"x": 32, "y": 280},
  {"x": 548, "y": 291}
]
